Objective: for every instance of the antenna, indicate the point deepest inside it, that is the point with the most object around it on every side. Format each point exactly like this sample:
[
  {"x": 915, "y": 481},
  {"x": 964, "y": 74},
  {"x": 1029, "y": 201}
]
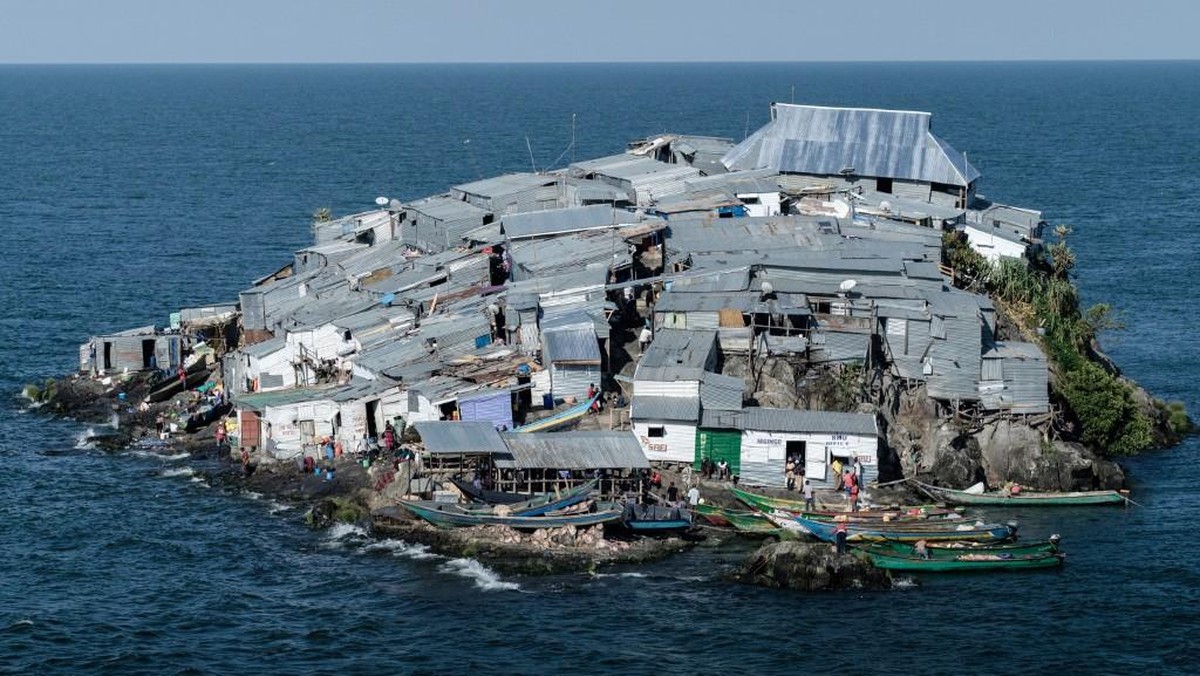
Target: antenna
[{"x": 530, "y": 147}]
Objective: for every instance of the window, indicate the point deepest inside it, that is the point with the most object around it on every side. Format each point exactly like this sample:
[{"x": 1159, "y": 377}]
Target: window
[{"x": 656, "y": 432}]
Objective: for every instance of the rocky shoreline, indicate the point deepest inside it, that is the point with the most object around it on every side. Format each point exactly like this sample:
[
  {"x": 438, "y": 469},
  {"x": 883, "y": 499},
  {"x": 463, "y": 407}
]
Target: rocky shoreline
[{"x": 356, "y": 495}]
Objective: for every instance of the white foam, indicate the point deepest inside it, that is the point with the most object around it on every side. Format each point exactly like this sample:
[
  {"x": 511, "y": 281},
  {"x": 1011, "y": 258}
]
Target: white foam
[
  {"x": 484, "y": 577},
  {"x": 82, "y": 439},
  {"x": 178, "y": 471},
  {"x": 343, "y": 531},
  {"x": 253, "y": 495},
  {"x": 277, "y": 507},
  {"x": 904, "y": 583},
  {"x": 402, "y": 549},
  {"x": 176, "y": 457}
]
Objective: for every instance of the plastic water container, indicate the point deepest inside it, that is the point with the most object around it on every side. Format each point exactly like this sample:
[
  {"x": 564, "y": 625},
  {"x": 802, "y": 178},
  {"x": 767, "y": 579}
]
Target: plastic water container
[{"x": 547, "y": 401}]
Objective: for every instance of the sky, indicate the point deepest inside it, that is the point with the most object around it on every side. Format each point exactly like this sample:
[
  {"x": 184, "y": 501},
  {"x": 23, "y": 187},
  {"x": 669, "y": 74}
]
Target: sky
[{"x": 416, "y": 31}]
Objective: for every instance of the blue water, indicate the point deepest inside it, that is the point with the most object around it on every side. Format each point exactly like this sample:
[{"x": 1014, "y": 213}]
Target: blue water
[{"x": 128, "y": 192}]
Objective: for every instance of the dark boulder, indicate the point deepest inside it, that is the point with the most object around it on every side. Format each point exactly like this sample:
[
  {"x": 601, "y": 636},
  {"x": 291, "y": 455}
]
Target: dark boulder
[{"x": 808, "y": 566}]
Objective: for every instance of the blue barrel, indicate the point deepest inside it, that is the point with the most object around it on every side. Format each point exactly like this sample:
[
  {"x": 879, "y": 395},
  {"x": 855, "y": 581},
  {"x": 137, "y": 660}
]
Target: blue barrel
[{"x": 547, "y": 401}]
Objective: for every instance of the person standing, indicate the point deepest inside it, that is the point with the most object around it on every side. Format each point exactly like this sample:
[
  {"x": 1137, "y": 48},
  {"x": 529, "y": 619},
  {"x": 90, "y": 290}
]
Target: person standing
[
  {"x": 789, "y": 473},
  {"x": 808, "y": 496},
  {"x": 693, "y": 496},
  {"x": 853, "y": 494},
  {"x": 840, "y": 536},
  {"x": 836, "y": 466},
  {"x": 858, "y": 472},
  {"x": 672, "y": 493},
  {"x": 644, "y": 339},
  {"x": 389, "y": 439}
]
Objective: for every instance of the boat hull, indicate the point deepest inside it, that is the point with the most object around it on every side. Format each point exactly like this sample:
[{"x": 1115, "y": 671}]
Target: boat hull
[
  {"x": 451, "y": 516},
  {"x": 1074, "y": 499},
  {"x": 967, "y": 561},
  {"x": 904, "y": 532}
]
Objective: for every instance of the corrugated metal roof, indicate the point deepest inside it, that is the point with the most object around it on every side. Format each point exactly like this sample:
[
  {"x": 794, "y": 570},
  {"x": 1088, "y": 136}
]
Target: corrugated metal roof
[
  {"x": 558, "y": 221},
  {"x": 260, "y": 350},
  {"x": 444, "y": 208},
  {"x": 445, "y": 437},
  {"x": 576, "y": 450},
  {"x": 822, "y": 140},
  {"x": 676, "y": 409},
  {"x": 679, "y": 347},
  {"x": 260, "y": 401},
  {"x": 508, "y": 184},
  {"x": 721, "y": 392},
  {"x": 837, "y": 346},
  {"x": 681, "y": 301},
  {"x": 759, "y": 419},
  {"x": 571, "y": 345}
]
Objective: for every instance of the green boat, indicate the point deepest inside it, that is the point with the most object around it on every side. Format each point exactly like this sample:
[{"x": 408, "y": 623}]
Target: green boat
[
  {"x": 1022, "y": 499},
  {"x": 767, "y": 503},
  {"x": 951, "y": 550},
  {"x": 900, "y": 556}
]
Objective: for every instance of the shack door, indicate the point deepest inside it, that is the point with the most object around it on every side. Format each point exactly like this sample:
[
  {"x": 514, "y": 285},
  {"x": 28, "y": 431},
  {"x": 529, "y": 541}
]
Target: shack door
[
  {"x": 720, "y": 445},
  {"x": 251, "y": 430}
]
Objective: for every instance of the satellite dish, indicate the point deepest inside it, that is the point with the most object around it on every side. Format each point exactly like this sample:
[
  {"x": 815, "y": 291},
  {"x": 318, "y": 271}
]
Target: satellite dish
[
  {"x": 381, "y": 201},
  {"x": 848, "y": 285},
  {"x": 767, "y": 289},
  {"x": 841, "y": 209}
]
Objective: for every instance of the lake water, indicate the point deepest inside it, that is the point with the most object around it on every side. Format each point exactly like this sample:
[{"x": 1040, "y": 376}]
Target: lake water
[{"x": 128, "y": 192}]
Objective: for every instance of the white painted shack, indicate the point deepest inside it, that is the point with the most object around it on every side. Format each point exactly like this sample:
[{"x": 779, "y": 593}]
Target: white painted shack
[
  {"x": 665, "y": 427},
  {"x": 814, "y": 438},
  {"x": 284, "y": 423}
]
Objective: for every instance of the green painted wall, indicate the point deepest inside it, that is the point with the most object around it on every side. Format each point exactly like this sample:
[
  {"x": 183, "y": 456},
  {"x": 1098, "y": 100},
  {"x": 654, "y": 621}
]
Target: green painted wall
[{"x": 718, "y": 445}]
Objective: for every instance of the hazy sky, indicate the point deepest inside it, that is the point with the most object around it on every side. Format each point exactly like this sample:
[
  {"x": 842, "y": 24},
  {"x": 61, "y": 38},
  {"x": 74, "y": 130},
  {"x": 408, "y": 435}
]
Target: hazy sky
[{"x": 107, "y": 31}]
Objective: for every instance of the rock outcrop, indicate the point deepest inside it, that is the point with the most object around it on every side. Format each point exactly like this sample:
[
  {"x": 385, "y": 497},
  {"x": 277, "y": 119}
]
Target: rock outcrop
[{"x": 808, "y": 566}]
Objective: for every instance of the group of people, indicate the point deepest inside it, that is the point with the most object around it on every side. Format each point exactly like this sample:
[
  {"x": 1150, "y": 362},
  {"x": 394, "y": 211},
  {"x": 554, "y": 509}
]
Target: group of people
[
  {"x": 710, "y": 468},
  {"x": 848, "y": 478}
]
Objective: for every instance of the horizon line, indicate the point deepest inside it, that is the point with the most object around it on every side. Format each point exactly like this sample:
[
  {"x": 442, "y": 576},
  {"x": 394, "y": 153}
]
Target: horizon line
[{"x": 601, "y": 63}]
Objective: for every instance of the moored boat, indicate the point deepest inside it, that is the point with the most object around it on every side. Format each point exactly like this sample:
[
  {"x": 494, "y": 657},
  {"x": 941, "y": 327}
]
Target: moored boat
[
  {"x": 901, "y": 556},
  {"x": 767, "y": 503},
  {"x": 538, "y": 505},
  {"x": 561, "y": 419},
  {"x": 952, "y": 549},
  {"x": 655, "y": 519},
  {"x": 486, "y": 496},
  {"x": 1023, "y": 498},
  {"x": 446, "y": 515},
  {"x": 910, "y": 532}
]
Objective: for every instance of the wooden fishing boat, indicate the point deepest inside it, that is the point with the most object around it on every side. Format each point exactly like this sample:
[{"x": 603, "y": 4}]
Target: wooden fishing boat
[
  {"x": 561, "y": 419},
  {"x": 900, "y": 556},
  {"x": 911, "y": 532},
  {"x": 1024, "y": 498},
  {"x": 743, "y": 521},
  {"x": 486, "y": 496},
  {"x": 952, "y": 549},
  {"x": 713, "y": 514},
  {"x": 538, "y": 505},
  {"x": 751, "y": 523},
  {"x": 767, "y": 503},
  {"x": 444, "y": 515},
  {"x": 655, "y": 519}
]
